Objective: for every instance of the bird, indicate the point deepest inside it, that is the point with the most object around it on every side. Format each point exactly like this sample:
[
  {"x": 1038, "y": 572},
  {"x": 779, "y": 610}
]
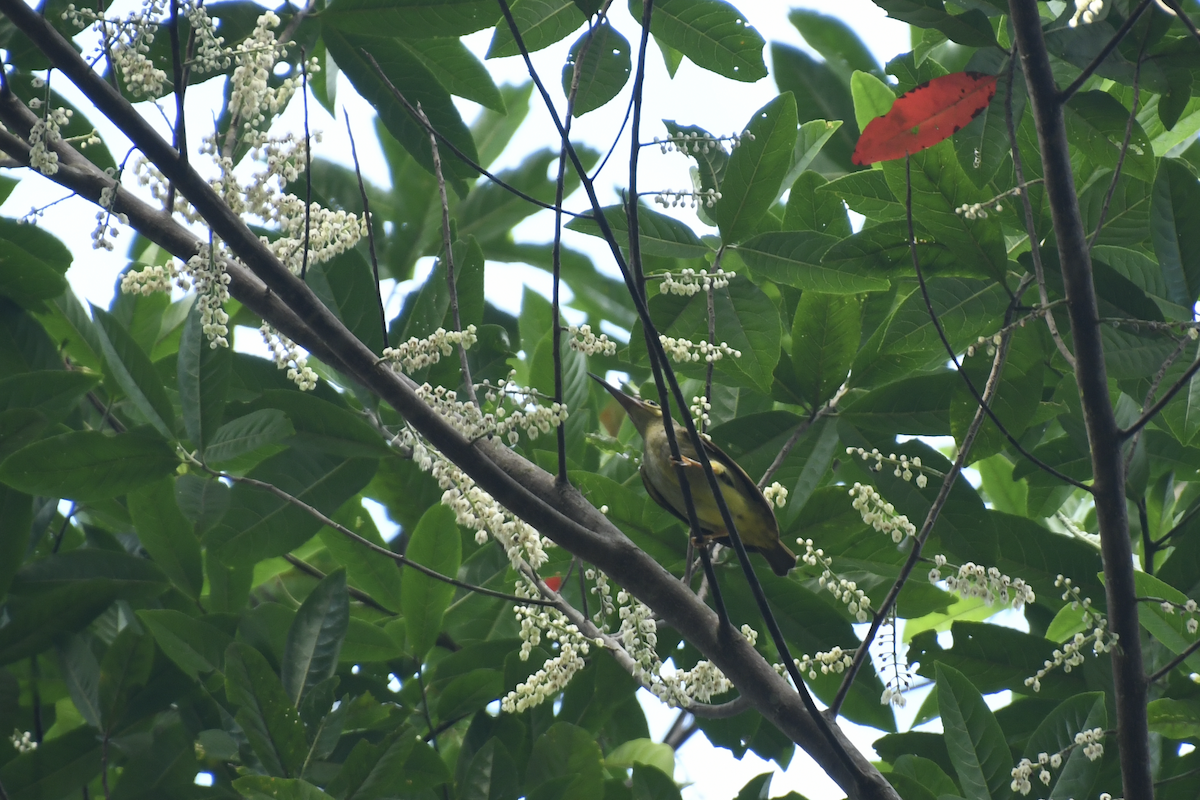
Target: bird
[{"x": 751, "y": 512}]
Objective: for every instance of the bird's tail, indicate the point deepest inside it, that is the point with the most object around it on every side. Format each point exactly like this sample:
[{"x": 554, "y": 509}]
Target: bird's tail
[{"x": 780, "y": 558}]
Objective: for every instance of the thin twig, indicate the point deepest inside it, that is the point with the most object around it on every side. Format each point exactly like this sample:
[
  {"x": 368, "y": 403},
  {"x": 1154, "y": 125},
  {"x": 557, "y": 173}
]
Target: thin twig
[
  {"x": 914, "y": 556},
  {"x": 1151, "y": 412},
  {"x": 179, "y": 132},
  {"x": 453, "y": 148},
  {"x": 1067, "y": 93},
  {"x": 1174, "y": 662},
  {"x": 362, "y": 190},
  {"x": 1035, "y": 248},
  {"x": 1112, "y": 186},
  {"x": 357, "y": 594},
  {"x": 448, "y": 246},
  {"x": 342, "y": 529},
  {"x": 1154, "y": 384},
  {"x": 307, "y": 165},
  {"x": 801, "y": 429}
]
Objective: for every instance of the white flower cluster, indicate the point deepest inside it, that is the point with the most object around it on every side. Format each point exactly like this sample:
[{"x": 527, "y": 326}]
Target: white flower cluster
[
  {"x": 836, "y": 661},
  {"x": 1189, "y": 608},
  {"x": 330, "y": 233},
  {"x": 973, "y": 580},
  {"x": 893, "y": 660},
  {"x": 603, "y": 591},
  {"x": 22, "y": 741},
  {"x": 127, "y": 41},
  {"x": 1089, "y": 740},
  {"x": 677, "y": 688},
  {"x": 691, "y": 144},
  {"x": 474, "y": 508},
  {"x": 904, "y": 466},
  {"x": 1071, "y": 654},
  {"x": 417, "y": 353},
  {"x": 43, "y": 135},
  {"x": 988, "y": 342},
  {"x": 154, "y": 278},
  {"x": 557, "y": 672},
  {"x": 691, "y": 282},
  {"x": 1086, "y": 11},
  {"x": 104, "y": 218},
  {"x": 588, "y": 343},
  {"x": 288, "y": 356},
  {"x": 699, "y": 409},
  {"x": 675, "y": 199},
  {"x": 856, "y": 600},
  {"x": 776, "y": 494},
  {"x": 212, "y": 291},
  {"x": 879, "y": 514},
  {"x": 211, "y": 54},
  {"x": 529, "y": 416},
  {"x": 684, "y": 351},
  {"x": 251, "y": 99}
]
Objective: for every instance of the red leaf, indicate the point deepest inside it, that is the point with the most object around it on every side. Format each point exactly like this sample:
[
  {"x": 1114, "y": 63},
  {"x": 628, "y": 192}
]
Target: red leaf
[
  {"x": 924, "y": 116},
  {"x": 554, "y": 583}
]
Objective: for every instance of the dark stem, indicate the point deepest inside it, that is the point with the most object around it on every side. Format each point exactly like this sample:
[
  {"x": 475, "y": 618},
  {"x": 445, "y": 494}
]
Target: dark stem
[
  {"x": 1091, "y": 375},
  {"x": 1151, "y": 412},
  {"x": 1067, "y": 93},
  {"x": 307, "y": 165},
  {"x": 1147, "y": 543},
  {"x": 1165, "y": 670},
  {"x": 180, "y": 79},
  {"x": 362, "y": 190},
  {"x": 1183, "y": 17},
  {"x": 357, "y": 594}
]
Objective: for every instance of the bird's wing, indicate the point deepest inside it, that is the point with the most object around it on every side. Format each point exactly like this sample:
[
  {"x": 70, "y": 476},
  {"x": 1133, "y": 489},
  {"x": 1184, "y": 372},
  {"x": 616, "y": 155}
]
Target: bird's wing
[
  {"x": 657, "y": 497},
  {"x": 729, "y": 473}
]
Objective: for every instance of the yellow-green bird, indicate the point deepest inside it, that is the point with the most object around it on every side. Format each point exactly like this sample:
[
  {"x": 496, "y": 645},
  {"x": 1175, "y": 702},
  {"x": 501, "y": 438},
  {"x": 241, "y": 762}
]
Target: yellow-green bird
[{"x": 752, "y": 513}]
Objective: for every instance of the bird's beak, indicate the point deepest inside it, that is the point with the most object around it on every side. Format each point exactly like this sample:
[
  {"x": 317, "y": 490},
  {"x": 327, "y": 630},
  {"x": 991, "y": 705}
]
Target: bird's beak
[{"x": 639, "y": 412}]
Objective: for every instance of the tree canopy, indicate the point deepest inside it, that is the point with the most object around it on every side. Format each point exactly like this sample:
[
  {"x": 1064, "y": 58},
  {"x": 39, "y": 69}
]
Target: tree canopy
[{"x": 941, "y": 311}]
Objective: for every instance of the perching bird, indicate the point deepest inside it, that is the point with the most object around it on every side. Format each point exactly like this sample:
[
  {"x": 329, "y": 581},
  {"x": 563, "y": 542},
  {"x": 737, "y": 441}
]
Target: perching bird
[{"x": 752, "y": 514}]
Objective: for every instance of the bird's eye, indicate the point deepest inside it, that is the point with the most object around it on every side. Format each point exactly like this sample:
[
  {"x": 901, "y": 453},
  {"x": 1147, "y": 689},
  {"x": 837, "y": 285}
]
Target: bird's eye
[{"x": 652, "y": 404}]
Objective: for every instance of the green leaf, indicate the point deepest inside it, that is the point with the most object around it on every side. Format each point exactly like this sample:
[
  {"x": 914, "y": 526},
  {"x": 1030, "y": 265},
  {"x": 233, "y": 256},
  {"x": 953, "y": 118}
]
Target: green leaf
[
  {"x": 1175, "y": 230},
  {"x": 927, "y": 774},
  {"x": 315, "y": 637},
  {"x": 976, "y": 743},
  {"x": 436, "y": 544},
  {"x": 566, "y": 753},
  {"x": 414, "y": 19},
  {"x": 37, "y": 620},
  {"x": 825, "y": 336},
  {"x": 374, "y": 771},
  {"x": 872, "y": 97},
  {"x": 660, "y": 235},
  {"x": 262, "y": 787},
  {"x": 52, "y": 392},
  {"x": 131, "y": 577},
  {"x": 265, "y": 713},
  {"x": 1057, "y": 732},
  {"x": 366, "y": 643},
  {"x": 795, "y": 258},
  {"x": 16, "y": 509},
  {"x": 324, "y": 427},
  {"x": 87, "y": 465},
  {"x": 867, "y": 193},
  {"x": 883, "y": 251},
  {"x": 603, "y": 70},
  {"x": 457, "y": 68},
  {"x": 970, "y": 28},
  {"x": 1168, "y": 628},
  {"x": 203, "y": 376},
  {"x": 642, "y": 751},
  {"x": 81, "y": 673},
  {"x": 418, "y": 85},
  {"x": 260, "y": 525},
  {"x": 820, "y": 95},
  {"x": 134, "y": 373},
  {"x": 809, "y": 211},
  {"x": 25, "y": 276},
  {"x": 124, "y": 670},
  {"x": 57, "y": 768},
  {"x": 1174, "y": 719},
  {"x": 247, "y": 434},
  {"x": 649, "y": 783},
  {"x": 939, "y": 187},
  {"x": 1096, "y": 123},
  {"x": 491, "y": 775},
  {"x": 468, "y": 693},
  {"x": 712, "y": 33},
  {"x": 756, "y": 169},
  {"x": 195, "y": 646},
  {"x": 374, "y": 573},
  {"x": 835, "y": 41},
  {"x": 167, "y": 535},
  {"x": 347, "y": 287},
  {"x": 541, "y": 23}
]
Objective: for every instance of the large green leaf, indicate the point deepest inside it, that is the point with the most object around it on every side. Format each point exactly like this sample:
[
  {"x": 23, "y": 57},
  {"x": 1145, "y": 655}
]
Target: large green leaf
[
  {"x": 194, "y": 645},
  {"x": 58, "y": 767},
  {"x": 795, "y": 258},
  {"x": 373, "y": 572},
  {"x": 265, "y": 712},
  {"x": 203, "y": 375},
  {"x": 315, "y": 637},
  {"x": 436, "y": 544},
  {"x": 809, "y": 211},
  {"x": 262, "y": 787},
  {"x": 134, "y": 373},
  {"x": 32, "y": 263},
  {"x": 51, "y": 392},
  {"x": 660, "y": 235},
  {"x": 1168, "y": 628},
  {"x": 825, "y": 335},
  {"x": 124, "y": 670},
  {"x": 820, "y": 95},
  {"x": 756, "y": 169},
  {"x": 167, "y": 535},
  {"x": 1096, "y": 123},
  {"x": 883, "y": 251},
  {"x": 248, "y": 434},
  {"x": 81, "y": 673},
  {"x": 1057, "y": 733},
  {"x": 414, "y": 19},
  {"x": 1175, "y": 230},
  {"x": 541, "y": 23},
  {"x": 458, "y": 70},
  {"x": 711, "y": 33},
  {"x": 418, "y": 85},
  {"x": 260, "y": 525},
  {"x": 347, "y": 287},
  {"x": 87, "y": 465},
  {"x": 491, "y": 774},
  {"x": 320, "y": 426},
  {"x": 970, "y": 28},
  {"x": 976, "y": 743},
  {"x": 835, "y": 41},
  {"x": 569, "y": 754},
  {"x": 867, "y": 192},
  {"x": 16, "y": 509},
  {"x": 603, "y": 68}
]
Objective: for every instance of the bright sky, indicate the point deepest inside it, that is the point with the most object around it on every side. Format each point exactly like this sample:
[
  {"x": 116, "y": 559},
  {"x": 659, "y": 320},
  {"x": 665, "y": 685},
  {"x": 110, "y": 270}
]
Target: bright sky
[{"x": 693, "y": 97}]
